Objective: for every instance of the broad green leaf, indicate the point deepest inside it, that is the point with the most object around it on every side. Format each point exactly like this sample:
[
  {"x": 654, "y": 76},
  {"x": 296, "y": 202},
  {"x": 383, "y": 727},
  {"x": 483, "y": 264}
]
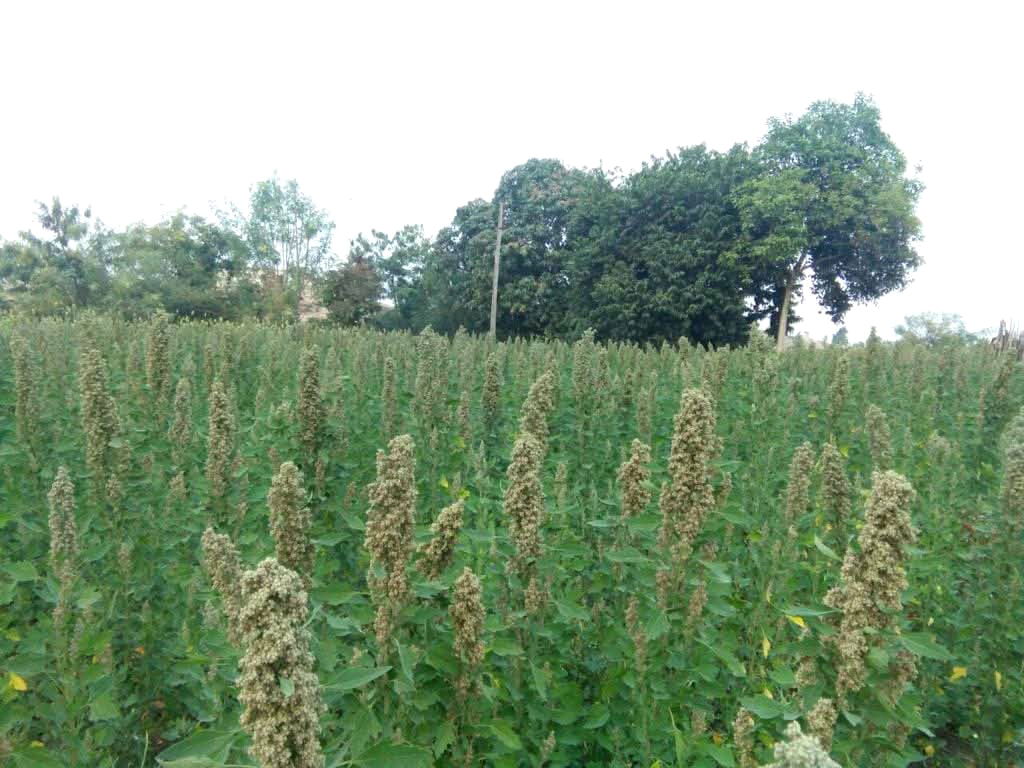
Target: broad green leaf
[
  {"x": 803, "y": 610},
  {"x": 214, "y": 745},
  {"x": 597, "y": 717},
  {"x": 657, "y": 625},
  {"x": 626, "y": 555},
  {"x": 827, "y": 551},
  {"x": 36, "y": 757},
  {"x": 407, "y": 662},
  {"x": 570, "y": 611},
  {"x": 443, "y": 738},
  {"x": 335, "y": 594},
  {"x": 355, "y": 677},
  {"x": 504, "y": 646},
  {"x": 538, "y": 681},
  {"x": 103, "y": 708},
  {"x": 363, "y": 727},
  {"x": 733, "y": 664},
  {"x": 387, "y": 755},
  {"x": 720, "y": 754},
  {"x": 20, "y": 571},
  {"x": 762, "y": 706},
  {"x": 505, "y": 734},
  {"x": 922, "y": 644}
]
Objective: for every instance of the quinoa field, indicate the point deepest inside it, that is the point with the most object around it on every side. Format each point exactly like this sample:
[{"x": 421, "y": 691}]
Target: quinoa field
[{"x": 301, "y": 546}]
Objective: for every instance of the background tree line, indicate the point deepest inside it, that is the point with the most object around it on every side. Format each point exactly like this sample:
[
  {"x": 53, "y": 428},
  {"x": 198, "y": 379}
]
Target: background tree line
[{"x": 697, "y": 243}]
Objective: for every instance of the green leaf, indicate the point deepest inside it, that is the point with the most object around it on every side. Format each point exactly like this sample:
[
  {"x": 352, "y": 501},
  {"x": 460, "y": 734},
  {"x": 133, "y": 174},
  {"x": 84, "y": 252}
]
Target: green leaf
[
  {"x": 214, "y": 745},
  {"x": 678, "y": 741},
  {"x": 330, "y": 541},
  {"x": 923, "y": 644},
  {"x": 720, "y": 754},
  {"x": 504, "y": 646},
  {"x": 287, "y": 686},
  {"x": 504, "y": 733},
  {"x": 194, "y": 762},
  {"x": 103, "y": 708},
  {"x": 443, "y": 738},
  {"x": 355, "y": 677},
  {"x": 822, "y": 547},
  {"x": 657, "y": 626},
  {"x": 571, "y": 611},
  {"x": 20, "y": 571},
  {"x": 88, "y": 597},
  {"x": 538, "y": 681},
  {"x": 36, "y": 757},
  {"x": 407, "y": 662},
  {"x": 734, "y": 665},
  {"x": 334, "y": 594},
  {"x": 387, "y": 755},
  {"x": 762, "y": 706},
  {"x": 783, "y": 676},
  {"x": 343, "y": 625},
  {"x": 626, "y": 555},
  {"x": 6, "y": 593},
  {"x": 803, "y": 610},
  {"x": 597, "y": 717},
  {"x": 363, "y": 726}
]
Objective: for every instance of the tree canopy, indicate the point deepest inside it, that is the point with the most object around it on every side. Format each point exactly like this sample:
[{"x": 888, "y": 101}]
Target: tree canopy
[
  {"x": 696, "y": 244},
  {"x": 830, "y": 198}
]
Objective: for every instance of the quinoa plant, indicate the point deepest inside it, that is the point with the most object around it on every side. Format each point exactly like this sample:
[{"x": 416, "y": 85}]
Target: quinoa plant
[
  {"x": 290, "y": 522},
  {"x": 310, "y": 405},
  {"x": 389, "y": 532},
  {"x": 277, "y": 685}
]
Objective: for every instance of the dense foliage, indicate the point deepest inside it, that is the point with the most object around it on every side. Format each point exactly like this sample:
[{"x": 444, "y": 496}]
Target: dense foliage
[
  {"x": 640, "y": 558},
  {"x": 697, "y": 244}
]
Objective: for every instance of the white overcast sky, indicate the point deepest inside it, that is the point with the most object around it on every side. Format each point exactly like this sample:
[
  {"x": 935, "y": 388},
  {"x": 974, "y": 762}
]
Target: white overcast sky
[{"x": 396, "y": 113}]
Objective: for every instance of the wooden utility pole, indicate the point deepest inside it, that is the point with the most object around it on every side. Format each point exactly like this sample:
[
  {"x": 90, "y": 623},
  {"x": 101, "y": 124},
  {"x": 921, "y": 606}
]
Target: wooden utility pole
[{"x": 497, "y": 265}]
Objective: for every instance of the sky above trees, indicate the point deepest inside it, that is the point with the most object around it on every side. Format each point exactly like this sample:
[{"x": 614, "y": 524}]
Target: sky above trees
[{"x": 397, "y": 114}]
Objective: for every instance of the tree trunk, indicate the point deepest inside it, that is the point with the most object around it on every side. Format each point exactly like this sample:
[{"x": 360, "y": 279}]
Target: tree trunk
[
  {"x": 787, "y": 295},
  {"x": 497, "y": 265}
]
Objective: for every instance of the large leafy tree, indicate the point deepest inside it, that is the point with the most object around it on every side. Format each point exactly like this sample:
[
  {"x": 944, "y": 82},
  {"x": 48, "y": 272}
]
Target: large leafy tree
[
  {"x": 398, "y": 260},
  {"x": 662, "y": 258},
  {"x": 545, "y": 217},
  {"x": 456, "y": 277},
  {"x": 352, "y": 292},
  {"x": 830, "y": 202},
  {"x": 66, "y": 265},
  {"x": 285, "y": 231},
  {"x": 186, "y": 265}
]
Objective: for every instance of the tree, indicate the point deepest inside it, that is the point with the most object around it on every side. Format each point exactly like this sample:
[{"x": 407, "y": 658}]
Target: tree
[
  {"x": 545, "y": 217},
  {"x": 830, "y": 200},
  {"x": 661, "y": 257},
  {"x": 456, "y": 277},
  {"x": 66, "y": 266},
  {"x": 545, "y": 213},
  {"x": 936, "y": 330},
  {"x": 398, "y": 260},
  {"x": 185, "y": 265},
  {"x": 287, "y": 232},
  {"x": 352, "y": 292}
]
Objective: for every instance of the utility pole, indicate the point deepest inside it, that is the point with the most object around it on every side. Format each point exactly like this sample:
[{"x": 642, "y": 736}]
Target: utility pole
[{"x": 497, "y": 265}]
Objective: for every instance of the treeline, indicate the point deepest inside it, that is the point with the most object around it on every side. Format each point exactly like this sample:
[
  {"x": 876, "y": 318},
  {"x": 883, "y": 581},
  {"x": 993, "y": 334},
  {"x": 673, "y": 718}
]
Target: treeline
[{"x": 698, "y": 244}]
